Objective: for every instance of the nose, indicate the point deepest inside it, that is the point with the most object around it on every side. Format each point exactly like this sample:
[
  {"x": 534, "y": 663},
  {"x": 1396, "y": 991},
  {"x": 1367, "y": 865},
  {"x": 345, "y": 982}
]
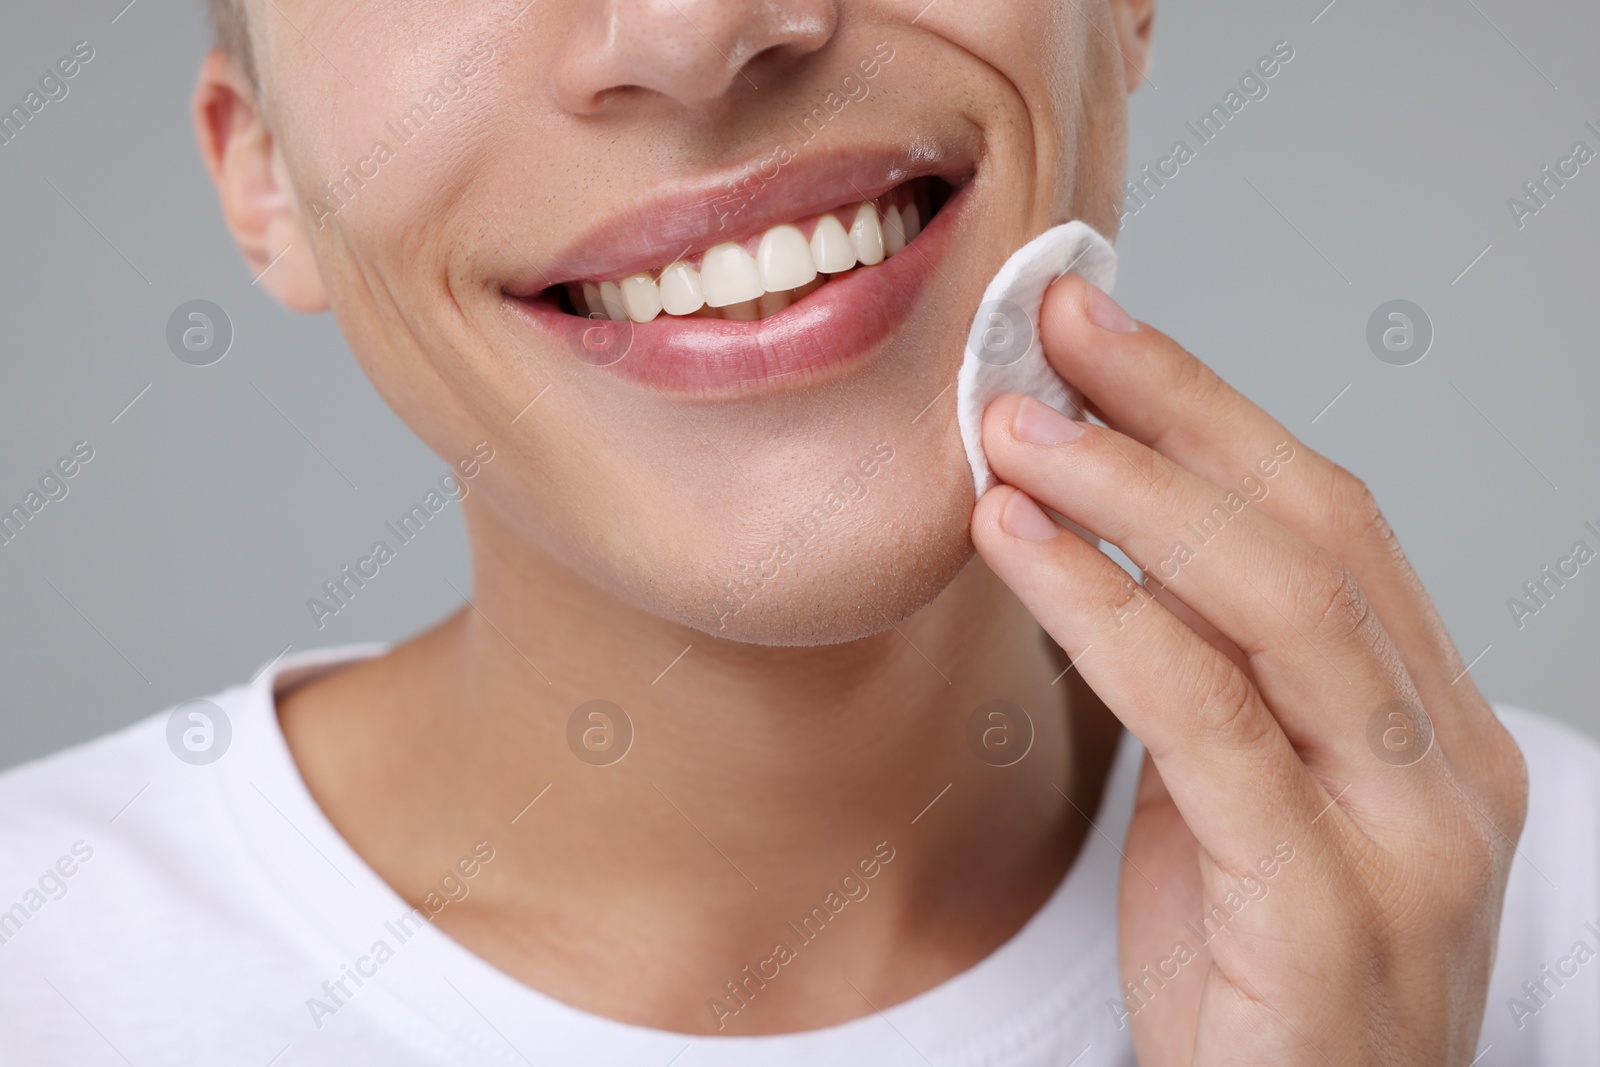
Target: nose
[{"x": 692, "y": 52}]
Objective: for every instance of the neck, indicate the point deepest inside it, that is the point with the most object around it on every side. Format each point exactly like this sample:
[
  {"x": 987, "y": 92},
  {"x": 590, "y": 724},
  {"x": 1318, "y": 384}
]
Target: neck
[{"x": 755, "y": 780}]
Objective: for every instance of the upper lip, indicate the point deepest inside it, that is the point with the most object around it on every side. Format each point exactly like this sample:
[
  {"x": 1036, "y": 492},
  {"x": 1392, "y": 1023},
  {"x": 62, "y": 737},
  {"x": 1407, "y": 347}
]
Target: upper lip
[{"x": 682, "y": 218}]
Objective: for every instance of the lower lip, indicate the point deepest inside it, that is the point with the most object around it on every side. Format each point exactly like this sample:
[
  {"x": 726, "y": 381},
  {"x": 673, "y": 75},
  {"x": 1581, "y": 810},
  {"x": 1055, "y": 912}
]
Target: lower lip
[{"x": 823, "y": 336}]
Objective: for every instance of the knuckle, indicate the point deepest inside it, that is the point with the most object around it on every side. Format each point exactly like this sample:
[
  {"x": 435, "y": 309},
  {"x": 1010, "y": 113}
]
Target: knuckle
[
  {"x": 1156, "y": 473},
  {"x": 1354, "y": 518},
  {"x": 1328, "y": 597},
  {"x": 1507, "y": 782},
  {"x": 1198, "y": 382},
  {"x": 1475, "y": 837},
  {"x": 1349, "y": 495},
  {"x": 1226, "y": 708},
  {"x": 1127, "y": 600}
]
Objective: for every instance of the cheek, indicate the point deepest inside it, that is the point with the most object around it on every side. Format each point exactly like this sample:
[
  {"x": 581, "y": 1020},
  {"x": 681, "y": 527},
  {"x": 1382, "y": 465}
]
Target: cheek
[{"x": 1048, "y": 87}]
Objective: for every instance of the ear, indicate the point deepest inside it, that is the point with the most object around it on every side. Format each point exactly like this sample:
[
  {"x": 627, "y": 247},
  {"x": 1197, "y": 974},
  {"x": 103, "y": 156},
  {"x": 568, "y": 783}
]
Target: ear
[
  {"x": 248, "y": 170},
  {"x": 1135, "y": 20}
]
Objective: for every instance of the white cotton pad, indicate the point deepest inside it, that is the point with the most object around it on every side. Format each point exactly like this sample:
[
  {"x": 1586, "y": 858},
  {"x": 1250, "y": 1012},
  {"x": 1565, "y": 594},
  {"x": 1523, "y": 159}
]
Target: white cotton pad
[{"x": 1003, "y": 351}]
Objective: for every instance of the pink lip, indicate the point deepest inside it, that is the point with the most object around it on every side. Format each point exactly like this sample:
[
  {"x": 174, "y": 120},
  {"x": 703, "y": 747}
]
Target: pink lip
[{"x": 821, "y": 336}]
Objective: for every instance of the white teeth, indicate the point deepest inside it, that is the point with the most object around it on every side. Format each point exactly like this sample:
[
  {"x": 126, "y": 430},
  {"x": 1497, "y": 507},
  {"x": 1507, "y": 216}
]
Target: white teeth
[
  {"x": 640, "y": 298},
  {"x": 591, "y": 298},
  {"x": 728, "y": 275},
  {"x": 831, "y": 247},
  {"x": 912, "y": 221},
  {"x": 680, "y": 290},
  {"x": 894, "y": 232},
  {"x": 772, "y": 303},
  {"x": 866, "y": 236},
  {"x": 731, "y": 283},
  {"x": 611, "y": 301},
  {"x": 784, "y": 259}
]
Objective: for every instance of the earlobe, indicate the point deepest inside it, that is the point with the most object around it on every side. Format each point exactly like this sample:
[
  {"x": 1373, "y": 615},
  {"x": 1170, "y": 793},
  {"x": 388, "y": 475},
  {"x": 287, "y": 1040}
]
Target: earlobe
[
  {"x": 252, "y": 180},
  {"x": 1135, "y": 20}
]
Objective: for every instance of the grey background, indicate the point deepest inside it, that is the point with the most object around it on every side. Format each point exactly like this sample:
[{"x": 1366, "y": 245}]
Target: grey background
[{"x": 1378, "y": 167}]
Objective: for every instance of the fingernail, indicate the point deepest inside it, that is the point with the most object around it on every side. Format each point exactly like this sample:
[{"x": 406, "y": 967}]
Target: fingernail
[
  {"x": 1040, "y": 424},
  {"x": 1021, "y": 517},
  {"x": 1107, "y": 314}
]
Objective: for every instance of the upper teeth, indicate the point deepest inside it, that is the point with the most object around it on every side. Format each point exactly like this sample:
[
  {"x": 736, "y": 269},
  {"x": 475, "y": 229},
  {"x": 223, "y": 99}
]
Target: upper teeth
[{"x": 732, "y": 283}]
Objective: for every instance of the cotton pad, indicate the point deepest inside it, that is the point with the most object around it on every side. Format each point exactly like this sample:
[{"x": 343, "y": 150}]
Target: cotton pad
[{"x": 1003, "y": 351}]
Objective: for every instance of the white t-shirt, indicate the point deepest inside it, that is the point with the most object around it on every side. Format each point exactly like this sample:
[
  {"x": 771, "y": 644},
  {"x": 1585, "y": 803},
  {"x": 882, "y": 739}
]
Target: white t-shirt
[{"x": 158, "y": 911}]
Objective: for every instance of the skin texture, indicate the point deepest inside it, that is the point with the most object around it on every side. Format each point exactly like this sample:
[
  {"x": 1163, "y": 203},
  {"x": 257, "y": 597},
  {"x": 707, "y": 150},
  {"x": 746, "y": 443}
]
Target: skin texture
[{"x": 784, "y": 742}]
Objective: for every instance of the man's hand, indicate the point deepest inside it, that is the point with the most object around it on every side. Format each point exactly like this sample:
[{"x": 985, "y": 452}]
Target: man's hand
[{"x": 1329, "y": 808}]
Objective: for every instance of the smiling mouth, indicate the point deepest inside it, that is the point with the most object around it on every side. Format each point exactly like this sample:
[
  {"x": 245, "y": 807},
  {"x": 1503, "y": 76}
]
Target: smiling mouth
[
  {"x": 767, "y": 272},
  {"x": 831, "y": 257}
]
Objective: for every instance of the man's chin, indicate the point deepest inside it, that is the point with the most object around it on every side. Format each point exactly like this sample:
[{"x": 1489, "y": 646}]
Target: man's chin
[
  {"x": 830, "y": 615},
  {"x": 860, "y": 584}
]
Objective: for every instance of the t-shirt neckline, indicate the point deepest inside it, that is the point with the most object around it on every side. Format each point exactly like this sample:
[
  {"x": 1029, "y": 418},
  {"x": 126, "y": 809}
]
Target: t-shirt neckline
[{"x": 1058, "y": 962}]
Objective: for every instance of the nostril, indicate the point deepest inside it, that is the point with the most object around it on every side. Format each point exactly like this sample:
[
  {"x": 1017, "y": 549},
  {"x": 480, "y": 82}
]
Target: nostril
[
  {"x": 775, "y": 55},
  {"x": 605, "y": 98},
  {"x": 693, "y": 52}
]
